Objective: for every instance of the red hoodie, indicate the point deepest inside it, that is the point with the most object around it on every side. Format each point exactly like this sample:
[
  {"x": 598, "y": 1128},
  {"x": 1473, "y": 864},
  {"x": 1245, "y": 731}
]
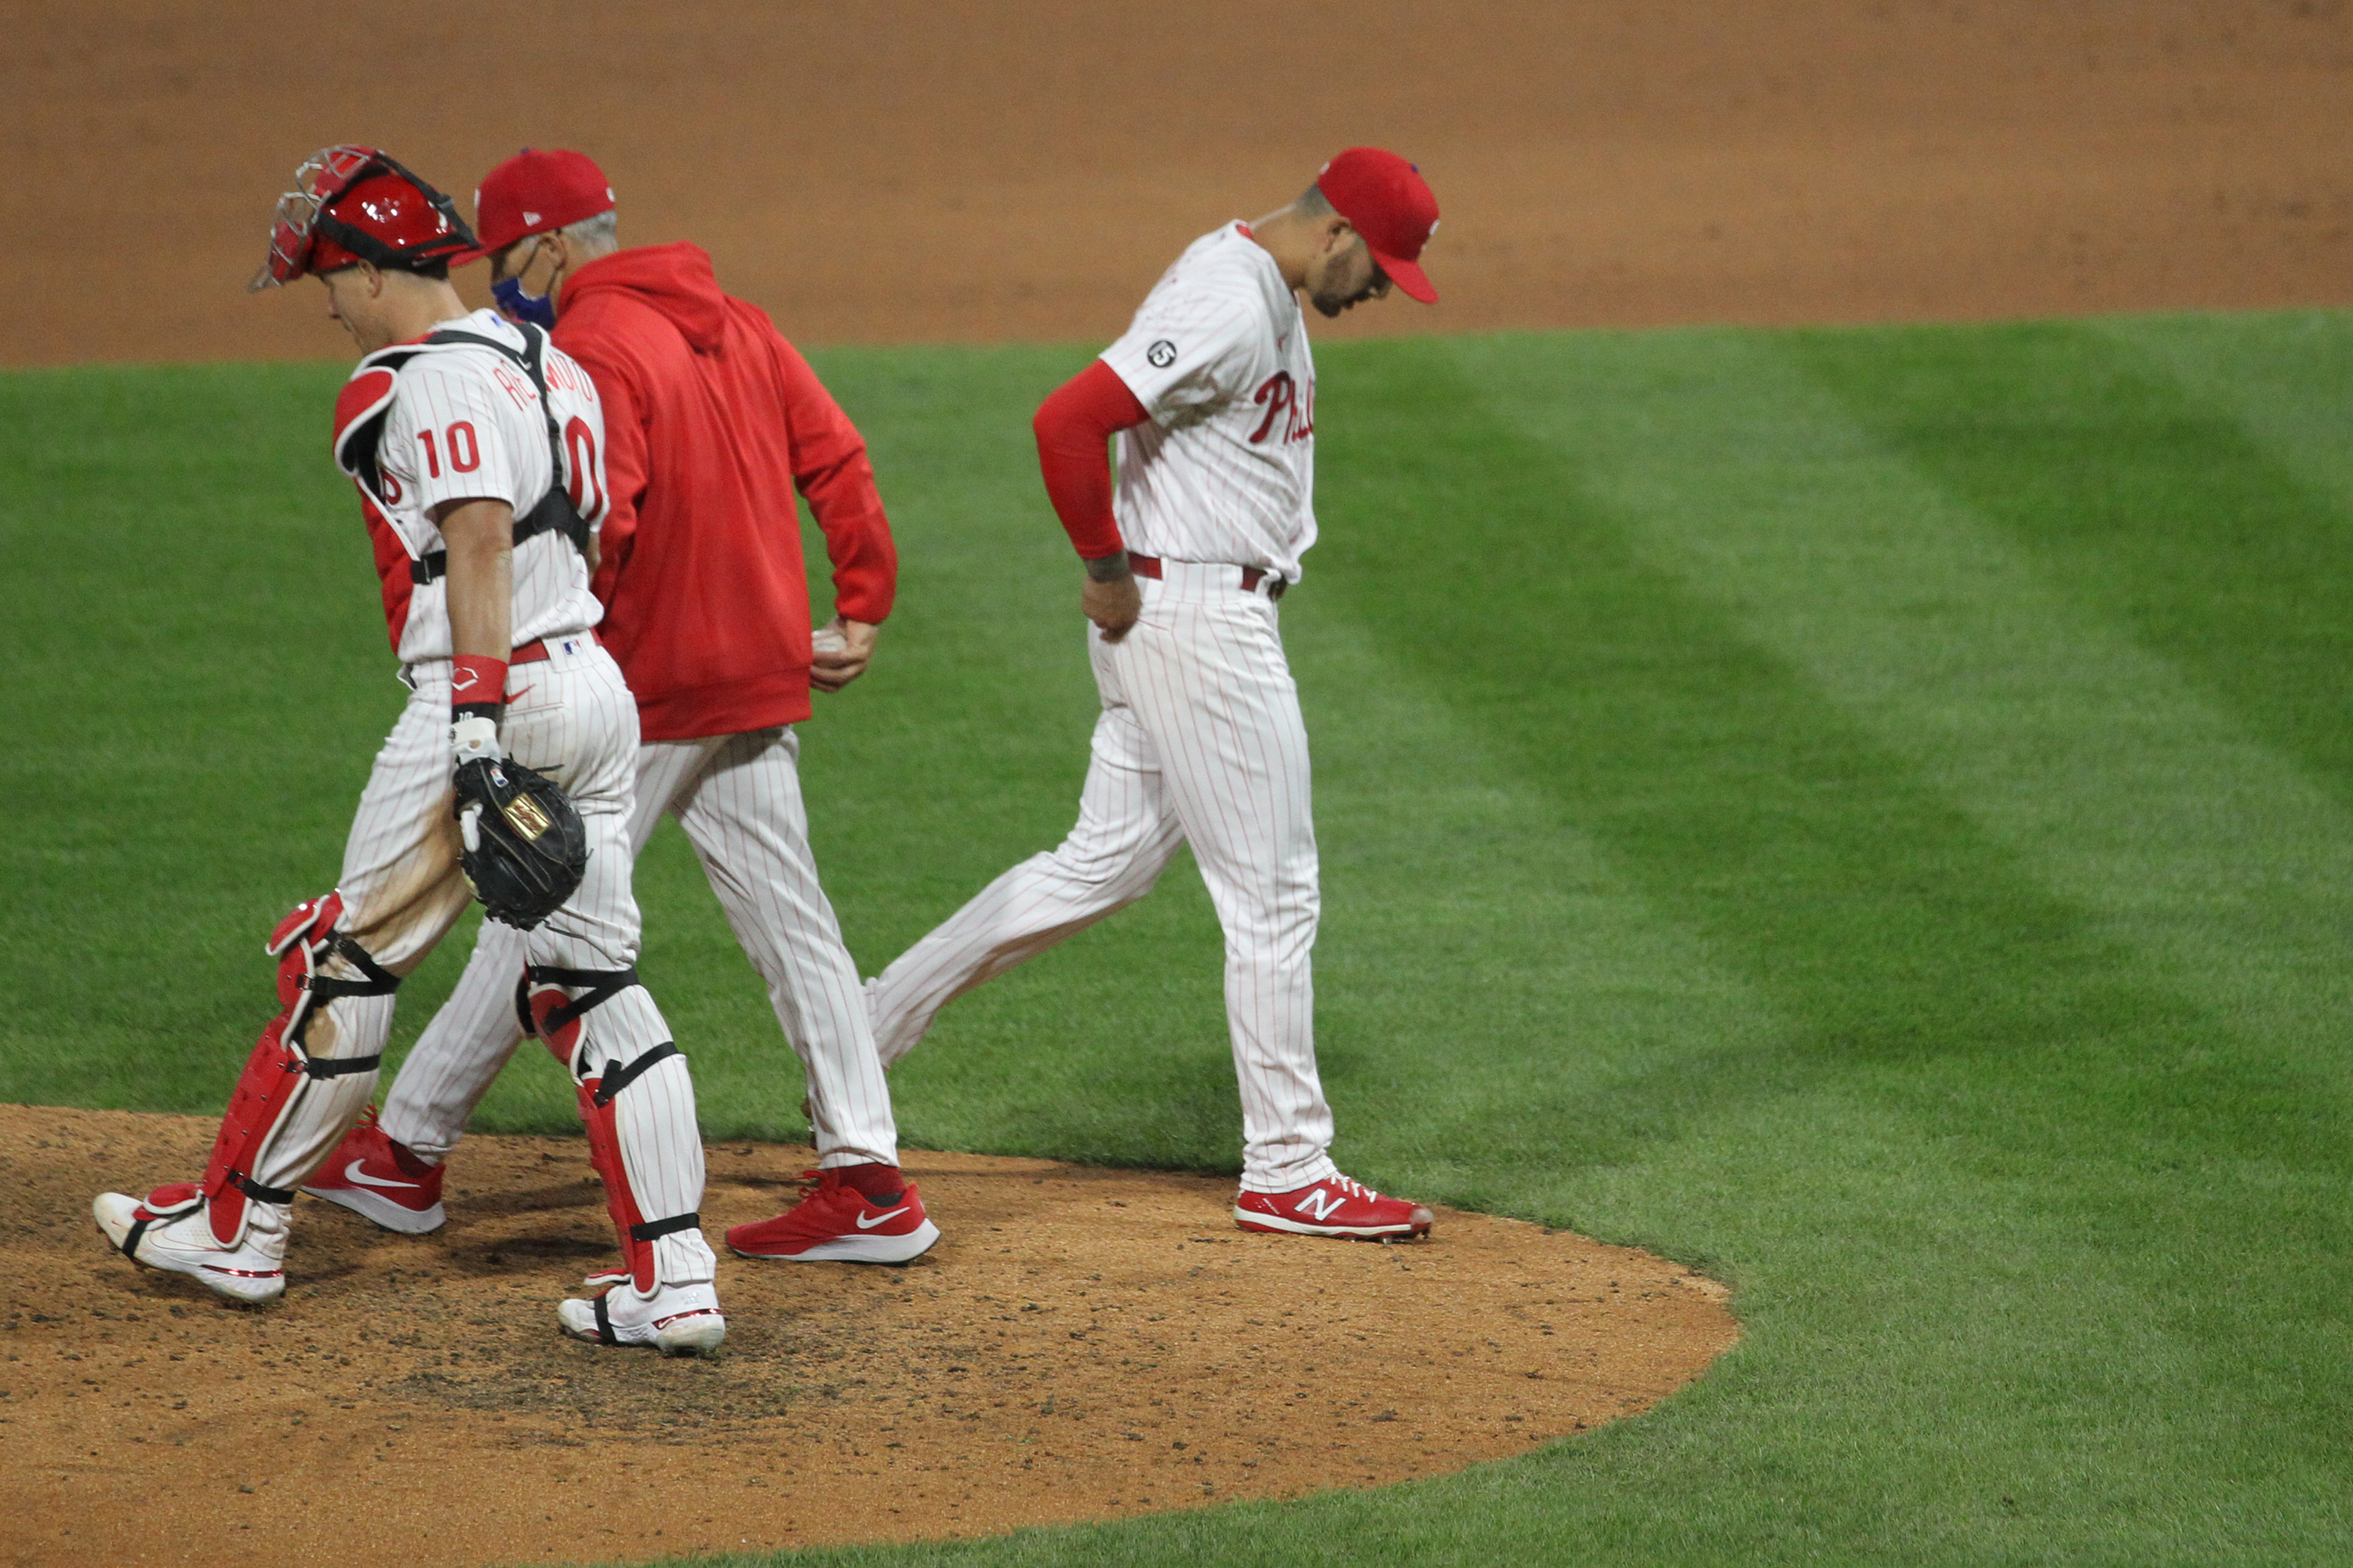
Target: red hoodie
[{"x": 710, "y": 422}]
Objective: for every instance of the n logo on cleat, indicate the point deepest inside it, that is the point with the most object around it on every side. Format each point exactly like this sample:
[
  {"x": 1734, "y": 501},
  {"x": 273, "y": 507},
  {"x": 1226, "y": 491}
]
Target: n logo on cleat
[{"x": 1322, "y": 1203}]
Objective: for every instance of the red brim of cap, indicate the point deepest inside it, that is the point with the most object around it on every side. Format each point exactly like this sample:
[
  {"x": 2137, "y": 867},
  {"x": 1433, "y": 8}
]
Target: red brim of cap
[
  {"x": 1408, "y": 276},
  {"x": 468, "y": 258}
]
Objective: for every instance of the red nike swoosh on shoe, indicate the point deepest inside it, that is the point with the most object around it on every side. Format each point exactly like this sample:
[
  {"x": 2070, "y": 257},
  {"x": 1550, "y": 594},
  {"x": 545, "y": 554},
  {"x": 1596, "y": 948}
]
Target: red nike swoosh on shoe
[
  {"x": 352, "y": 1173},
  {"x": 866, "y": 1224}
]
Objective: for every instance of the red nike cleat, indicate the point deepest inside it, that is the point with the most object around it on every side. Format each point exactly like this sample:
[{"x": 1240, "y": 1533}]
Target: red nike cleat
[
  {"x": 371, "y": 1175},
  {"x": 838, "y": 1224},
  {"x": 1336, "y": 1206}
]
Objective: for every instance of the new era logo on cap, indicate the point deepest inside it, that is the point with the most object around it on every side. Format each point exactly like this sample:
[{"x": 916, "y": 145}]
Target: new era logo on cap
[{"x": 1386, "y": 199}]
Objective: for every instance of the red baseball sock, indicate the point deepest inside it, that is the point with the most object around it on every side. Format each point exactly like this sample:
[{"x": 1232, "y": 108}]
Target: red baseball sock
[{"x": 875, "y": 1183}]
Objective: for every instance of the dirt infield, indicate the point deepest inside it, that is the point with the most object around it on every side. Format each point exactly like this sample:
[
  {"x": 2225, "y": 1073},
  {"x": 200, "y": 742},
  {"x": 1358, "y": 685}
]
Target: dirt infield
[
  {"x": 1085, "y": 1344},
  {"x": 974, "y": 170}
]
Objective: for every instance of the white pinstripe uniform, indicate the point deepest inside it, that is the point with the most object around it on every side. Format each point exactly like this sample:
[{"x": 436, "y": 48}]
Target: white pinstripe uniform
[
  {"x": 465, "y": 423},
  {"x": 1200, "y": 738},
  {"x": 738, "y": 798}
]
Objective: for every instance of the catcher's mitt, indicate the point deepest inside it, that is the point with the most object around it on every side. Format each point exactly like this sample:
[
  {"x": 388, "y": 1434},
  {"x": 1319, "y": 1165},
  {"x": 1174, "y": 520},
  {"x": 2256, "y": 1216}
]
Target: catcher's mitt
[{"x": 523, "y": 847}]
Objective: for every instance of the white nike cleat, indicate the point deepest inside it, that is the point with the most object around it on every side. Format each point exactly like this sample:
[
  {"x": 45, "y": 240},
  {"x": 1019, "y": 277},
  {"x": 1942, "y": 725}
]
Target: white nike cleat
[
  {"x": 676, "y": 1320},
  {"x": 385, "y": 1182},
  {"x": 179, "y": 1239}
]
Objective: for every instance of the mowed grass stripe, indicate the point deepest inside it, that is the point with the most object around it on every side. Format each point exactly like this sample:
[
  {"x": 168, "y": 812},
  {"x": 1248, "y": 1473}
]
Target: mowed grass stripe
[
  {"x": 2212, "y": 855},
  {"x": 2284, "y": 381},
  {"x": 1848, "y": 538},
  {"x": 2168, "y": 514},
  {"x": 1937, "y": 979},
  {"x": 193, "y": 678},
  {"x": 1451, "y": 880}
]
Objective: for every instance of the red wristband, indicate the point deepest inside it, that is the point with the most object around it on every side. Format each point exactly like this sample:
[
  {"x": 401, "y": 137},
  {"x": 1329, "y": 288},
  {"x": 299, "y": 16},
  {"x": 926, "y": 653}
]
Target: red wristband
[{"x": 476, "y": 683}]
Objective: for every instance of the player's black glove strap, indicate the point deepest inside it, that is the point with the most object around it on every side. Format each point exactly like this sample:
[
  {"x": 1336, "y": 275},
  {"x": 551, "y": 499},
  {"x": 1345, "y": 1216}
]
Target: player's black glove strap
[
  {"x": 522, "y": 846},
  {"x": 340, "y": 1066}
]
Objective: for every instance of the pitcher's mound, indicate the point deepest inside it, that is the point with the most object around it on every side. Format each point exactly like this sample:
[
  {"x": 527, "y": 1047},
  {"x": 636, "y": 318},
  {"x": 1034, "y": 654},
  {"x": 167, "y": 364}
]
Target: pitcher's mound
[{"x": 1085, "y": 1344}]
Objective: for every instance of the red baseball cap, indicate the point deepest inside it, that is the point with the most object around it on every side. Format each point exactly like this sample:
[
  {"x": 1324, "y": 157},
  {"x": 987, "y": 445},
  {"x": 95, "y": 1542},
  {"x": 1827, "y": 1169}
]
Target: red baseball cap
[
  {"x": 534, "y": 192},
  {"x": 1385, "y": 200}
]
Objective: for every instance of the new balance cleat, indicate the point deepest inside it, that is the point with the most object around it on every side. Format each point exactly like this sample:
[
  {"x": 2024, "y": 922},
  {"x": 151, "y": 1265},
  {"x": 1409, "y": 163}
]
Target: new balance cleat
[
  {"x": 1336, "y": 1206},
  {"x": 168, "y": 1229},
  {"x": 836, "y": 1223},
  {"x": 380, "y": 1179}
]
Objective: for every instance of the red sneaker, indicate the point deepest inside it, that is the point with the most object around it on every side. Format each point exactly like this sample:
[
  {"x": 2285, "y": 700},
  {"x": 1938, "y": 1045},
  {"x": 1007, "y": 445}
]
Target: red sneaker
[
  {"x": 371, "y": 1175},
  {"x": 1336, "y": 1206},
  {"x": 838, "y": 1224}
]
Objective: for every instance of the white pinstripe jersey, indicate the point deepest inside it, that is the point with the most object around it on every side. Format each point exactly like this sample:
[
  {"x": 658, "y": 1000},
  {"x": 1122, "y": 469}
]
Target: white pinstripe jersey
[
  {"x": 1225, "y": 469},
  {"x": 465, "y": 424}
]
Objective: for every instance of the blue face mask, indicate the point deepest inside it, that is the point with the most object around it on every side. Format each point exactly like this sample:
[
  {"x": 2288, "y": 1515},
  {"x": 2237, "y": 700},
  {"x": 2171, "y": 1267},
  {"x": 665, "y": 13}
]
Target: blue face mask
[{"x": 539, "y": 310}]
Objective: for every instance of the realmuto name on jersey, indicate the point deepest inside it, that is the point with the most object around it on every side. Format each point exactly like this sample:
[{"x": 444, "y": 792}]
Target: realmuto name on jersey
[{"x": 1285, "y": 400}]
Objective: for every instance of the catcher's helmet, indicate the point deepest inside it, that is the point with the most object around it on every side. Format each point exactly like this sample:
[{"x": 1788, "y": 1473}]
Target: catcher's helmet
[{"x": 357, "y": 204}]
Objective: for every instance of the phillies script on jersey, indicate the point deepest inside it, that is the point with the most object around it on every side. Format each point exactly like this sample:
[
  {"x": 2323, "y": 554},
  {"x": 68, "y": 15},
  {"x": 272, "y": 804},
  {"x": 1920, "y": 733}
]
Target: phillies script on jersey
[{"x": 1224, "y": 469}]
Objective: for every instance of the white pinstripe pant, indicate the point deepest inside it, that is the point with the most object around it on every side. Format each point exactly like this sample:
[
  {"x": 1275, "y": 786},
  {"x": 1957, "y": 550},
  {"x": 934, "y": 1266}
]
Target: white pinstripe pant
[
  {"x": 1200, "y": 741},
  {"x": 571, "y": 717},
  {"x": 739, "y": 799}
]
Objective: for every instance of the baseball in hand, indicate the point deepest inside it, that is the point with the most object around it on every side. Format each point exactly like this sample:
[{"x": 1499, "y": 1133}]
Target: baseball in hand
[{"x": 828, "y": 639}]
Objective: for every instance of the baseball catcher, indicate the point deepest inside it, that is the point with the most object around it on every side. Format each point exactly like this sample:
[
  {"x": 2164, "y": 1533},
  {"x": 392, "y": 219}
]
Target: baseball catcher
[{"x": 476, "y": 448}]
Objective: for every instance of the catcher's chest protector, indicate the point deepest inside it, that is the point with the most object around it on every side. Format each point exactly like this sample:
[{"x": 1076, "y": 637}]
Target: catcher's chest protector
[{"x": 365, "y": 403}]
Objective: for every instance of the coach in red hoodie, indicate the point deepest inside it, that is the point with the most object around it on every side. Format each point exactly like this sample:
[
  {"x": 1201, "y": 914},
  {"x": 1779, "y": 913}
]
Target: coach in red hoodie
[{"x": 711, "y": 422}]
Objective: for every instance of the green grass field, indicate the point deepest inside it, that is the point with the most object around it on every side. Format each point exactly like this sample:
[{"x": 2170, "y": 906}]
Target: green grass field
[{"x": 1869, "y": 812}]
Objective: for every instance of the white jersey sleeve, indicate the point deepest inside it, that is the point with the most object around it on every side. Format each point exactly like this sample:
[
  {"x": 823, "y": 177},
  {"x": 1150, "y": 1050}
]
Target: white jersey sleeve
[
  {"x": 1189, "y": 353},
  {"x": 580, "y": 424}
]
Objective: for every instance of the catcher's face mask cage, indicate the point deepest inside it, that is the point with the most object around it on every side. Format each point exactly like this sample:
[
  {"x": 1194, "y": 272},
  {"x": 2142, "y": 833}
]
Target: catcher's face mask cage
[{"x": 303, "y": 221}]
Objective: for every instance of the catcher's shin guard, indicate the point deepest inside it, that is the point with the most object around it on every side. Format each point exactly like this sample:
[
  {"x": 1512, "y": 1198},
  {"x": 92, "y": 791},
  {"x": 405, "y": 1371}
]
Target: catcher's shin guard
[
  {"x": 282, "y": 1078},
  {"x": 666, "y": 1172}
]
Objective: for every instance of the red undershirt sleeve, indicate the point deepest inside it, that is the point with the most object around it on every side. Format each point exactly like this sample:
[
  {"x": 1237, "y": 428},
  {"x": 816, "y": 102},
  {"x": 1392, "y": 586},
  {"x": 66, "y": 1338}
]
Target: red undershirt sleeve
[{"x": 1071, "y": 427}]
